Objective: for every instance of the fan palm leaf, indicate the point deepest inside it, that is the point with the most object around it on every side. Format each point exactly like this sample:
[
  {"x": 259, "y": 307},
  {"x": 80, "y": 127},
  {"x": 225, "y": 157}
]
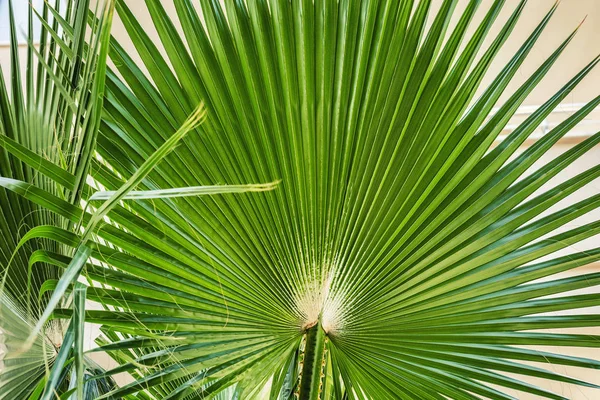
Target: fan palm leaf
[
  {"x": 50, "y": 116},
  {"x": 402, "y": 253}
]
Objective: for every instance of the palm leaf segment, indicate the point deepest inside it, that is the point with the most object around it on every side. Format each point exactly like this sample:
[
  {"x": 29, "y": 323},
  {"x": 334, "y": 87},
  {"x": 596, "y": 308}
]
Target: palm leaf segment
[{"x": 401, "y": 239}]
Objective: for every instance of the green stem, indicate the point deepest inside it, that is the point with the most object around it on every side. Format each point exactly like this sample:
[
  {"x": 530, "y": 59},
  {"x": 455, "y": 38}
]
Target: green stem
[{"x": 313, "y": 363}]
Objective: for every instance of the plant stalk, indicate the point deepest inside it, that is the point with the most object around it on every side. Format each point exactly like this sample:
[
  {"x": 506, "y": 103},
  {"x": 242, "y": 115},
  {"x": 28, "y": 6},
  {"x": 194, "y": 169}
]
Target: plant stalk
[{"x": 310, "y": 383}]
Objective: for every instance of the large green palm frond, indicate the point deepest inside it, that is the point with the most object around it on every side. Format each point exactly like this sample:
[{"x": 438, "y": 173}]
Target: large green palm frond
[
  {"x": 402, "y": 240},
  {"x": 401, "y": 254}
]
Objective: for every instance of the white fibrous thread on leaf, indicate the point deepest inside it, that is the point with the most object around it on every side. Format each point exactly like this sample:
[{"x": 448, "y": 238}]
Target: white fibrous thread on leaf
[{"x": 316, "y": 300}]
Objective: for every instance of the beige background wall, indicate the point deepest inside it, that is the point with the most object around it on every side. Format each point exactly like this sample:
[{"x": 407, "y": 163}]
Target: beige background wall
[{"x": 584, "y": 47}]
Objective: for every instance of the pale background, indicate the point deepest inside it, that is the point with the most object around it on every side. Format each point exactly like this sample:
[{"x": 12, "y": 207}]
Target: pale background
[{"x": 584, "y": 47}]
